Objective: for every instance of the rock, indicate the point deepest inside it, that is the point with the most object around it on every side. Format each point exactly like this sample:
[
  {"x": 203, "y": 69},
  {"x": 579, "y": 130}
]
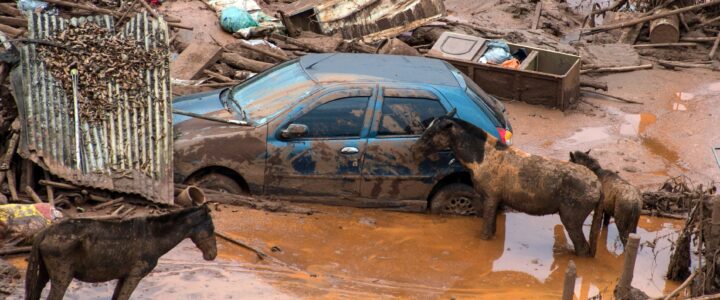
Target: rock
[
  {"x": 631, "y": 169},
  {"x": 629, "y": 159}
]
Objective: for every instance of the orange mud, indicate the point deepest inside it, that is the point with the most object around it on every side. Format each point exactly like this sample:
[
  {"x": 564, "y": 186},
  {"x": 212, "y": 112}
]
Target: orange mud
[{"x": 361, "y": 254}]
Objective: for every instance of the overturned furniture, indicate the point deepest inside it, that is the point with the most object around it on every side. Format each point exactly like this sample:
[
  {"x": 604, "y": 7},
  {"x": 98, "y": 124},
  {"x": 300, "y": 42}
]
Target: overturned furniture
[
  {"x": 544, "y": 77},
  {"x": 371, "y": 20},
  {"x": 119, "y": 141}
]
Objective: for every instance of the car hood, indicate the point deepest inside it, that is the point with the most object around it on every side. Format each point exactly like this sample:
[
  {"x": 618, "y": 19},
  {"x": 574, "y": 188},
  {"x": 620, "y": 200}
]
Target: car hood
[{"x": 201, "y": 103}]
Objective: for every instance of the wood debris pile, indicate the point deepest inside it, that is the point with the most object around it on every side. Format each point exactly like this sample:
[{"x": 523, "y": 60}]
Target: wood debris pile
[
  {"x": 100, "y": 58},
  {"x": 676, "y": 196}
]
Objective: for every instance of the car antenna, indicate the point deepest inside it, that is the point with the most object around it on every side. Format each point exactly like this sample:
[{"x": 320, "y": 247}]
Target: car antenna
[{"x": 315, "y": 63}]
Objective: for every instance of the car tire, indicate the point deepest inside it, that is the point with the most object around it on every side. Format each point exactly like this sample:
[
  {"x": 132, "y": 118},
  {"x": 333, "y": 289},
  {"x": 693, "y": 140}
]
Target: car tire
[
  {"x": 218, "y": 182},
  {"x": 456, "y": 199}
]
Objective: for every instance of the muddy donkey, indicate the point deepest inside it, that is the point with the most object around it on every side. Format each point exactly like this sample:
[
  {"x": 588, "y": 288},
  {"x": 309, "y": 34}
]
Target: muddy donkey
[
  {"x": 528, "y": 183},
  {"x": 622, "y": 201},
  {"x": 103, "y": 250}
]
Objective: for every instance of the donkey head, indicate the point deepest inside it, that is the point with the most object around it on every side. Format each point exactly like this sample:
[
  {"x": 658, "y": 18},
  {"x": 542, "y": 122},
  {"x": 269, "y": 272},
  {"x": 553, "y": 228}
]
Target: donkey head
[
  {"x": 203, "y": 234},
  {"x": 435, "y": 138},
  {"x": 584, "y": 158}
]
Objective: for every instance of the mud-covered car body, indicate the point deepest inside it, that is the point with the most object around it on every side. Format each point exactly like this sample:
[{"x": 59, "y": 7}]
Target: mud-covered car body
[{"x": 354, "y": 118}]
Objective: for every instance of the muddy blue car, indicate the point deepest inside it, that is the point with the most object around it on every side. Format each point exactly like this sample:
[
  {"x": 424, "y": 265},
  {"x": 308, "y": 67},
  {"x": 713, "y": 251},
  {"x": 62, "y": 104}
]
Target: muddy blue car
[{"x": 335, "y": 129}]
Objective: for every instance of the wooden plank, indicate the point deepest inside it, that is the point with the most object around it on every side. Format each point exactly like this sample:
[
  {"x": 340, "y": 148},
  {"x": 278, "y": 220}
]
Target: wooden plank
[
  {"x": 193, "y": 60},
  {"x": 536, "y": 18}
]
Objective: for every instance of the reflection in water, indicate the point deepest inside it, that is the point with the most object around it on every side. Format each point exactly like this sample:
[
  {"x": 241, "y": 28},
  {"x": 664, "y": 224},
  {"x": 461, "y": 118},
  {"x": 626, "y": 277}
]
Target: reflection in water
[
  {"x": 636, "y": 124},
  {"x": 588, "y": 135},
  {"x": 360, "y": 254}
]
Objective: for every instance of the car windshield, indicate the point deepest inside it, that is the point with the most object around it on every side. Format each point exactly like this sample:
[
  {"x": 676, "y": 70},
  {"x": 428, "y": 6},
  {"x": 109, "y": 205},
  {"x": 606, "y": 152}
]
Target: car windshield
[
  {"x": 270, "y": 93},
  {"x": 479, "y": 96}
]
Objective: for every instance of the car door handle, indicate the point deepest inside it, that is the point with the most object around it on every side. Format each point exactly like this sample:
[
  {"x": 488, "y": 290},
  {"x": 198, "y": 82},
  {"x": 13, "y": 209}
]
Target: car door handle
[{"x": 349, "y": 150}]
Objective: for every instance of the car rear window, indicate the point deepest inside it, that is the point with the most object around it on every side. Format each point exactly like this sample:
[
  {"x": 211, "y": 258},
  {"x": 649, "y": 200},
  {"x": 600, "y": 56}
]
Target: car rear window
[
  {"x": 486, "y": 101},
  {"x": 270, "y": 93}
]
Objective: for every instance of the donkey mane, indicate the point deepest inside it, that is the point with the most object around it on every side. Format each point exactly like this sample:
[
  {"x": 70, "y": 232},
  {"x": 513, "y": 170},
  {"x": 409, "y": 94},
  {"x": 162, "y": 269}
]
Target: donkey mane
[
  {"x": 176, "y": 214},
  {"x": 478, "y": 132}
]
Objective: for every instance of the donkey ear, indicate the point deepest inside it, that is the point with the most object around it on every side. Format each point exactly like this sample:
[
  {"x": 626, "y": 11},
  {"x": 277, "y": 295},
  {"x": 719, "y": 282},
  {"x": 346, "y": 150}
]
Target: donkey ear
[
  {"x": 451, "y": 113},
  {"x": 447, "y": 125},
  {"x": 588, "y": 152},
  {"x": 572, "y": 156}
]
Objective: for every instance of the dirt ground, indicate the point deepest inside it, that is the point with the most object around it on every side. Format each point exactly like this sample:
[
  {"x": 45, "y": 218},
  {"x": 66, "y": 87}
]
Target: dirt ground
[{"x": 368, "y": 254}]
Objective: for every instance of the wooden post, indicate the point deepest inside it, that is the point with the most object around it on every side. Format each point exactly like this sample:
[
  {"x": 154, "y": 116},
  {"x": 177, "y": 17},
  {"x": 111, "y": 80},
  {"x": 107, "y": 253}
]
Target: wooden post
[
  {"x": 32, "y": 194},
  {"x": 49, "y": 189},
  {"x": 536, "y": 17},
  {"x": 714, "y": 47},
  {"x": 624, "y": 285},
  {"x": 12, "y": 186},
  {"x": 569, "y": 286},
  {"x": 715, "y": 225}
]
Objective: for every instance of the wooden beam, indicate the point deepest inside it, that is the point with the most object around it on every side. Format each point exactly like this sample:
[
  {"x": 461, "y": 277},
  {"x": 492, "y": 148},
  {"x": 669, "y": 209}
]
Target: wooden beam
[
  {"x": 84, "y": 7},
  {"x": 13, "y": 21},
  {"x": 663, "y": 45},
  {"x": 622, "y": 24},
  {"x": 238, "y": 61},
  {"x": 715, "y": 46},
  {"x": 193, "y": 60},
  {"x": 536, "y": 17}
]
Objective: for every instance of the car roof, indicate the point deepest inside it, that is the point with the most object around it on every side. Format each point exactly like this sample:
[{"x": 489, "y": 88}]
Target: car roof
[{"x": 357, "y": 67}]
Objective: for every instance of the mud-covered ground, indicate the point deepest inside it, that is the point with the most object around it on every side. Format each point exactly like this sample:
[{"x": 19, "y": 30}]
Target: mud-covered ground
[{"x": 364, "y": 254}]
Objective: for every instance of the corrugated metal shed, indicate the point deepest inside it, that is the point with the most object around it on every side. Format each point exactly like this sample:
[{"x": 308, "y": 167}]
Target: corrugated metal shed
[
  {"x": 130, "y": 151},
  {"x": 371, "y": 20}
]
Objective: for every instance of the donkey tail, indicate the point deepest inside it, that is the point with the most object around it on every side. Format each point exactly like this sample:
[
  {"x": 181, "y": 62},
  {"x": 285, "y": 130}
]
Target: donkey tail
[
  {"x": 596, "y": 224},
  {"x": 36, "y": 270}
]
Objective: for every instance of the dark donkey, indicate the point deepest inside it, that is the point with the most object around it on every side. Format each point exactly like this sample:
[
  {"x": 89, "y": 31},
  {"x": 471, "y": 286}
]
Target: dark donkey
[
  {"x": 528, "y": 183},
  {"x": 103, "y": 250},
  {"x": 623, "y": 201}
]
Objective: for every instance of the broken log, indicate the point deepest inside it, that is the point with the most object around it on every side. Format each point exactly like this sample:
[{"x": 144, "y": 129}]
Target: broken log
[
  {"x": 218, "y": 76},
  {"x": 622, "y": 24},
  {"x": 259, "y": 254},
  {"x": 60, "y": 185},
  {"x": 12, "y": 185},
  {"x": 238, "y": 61},
  {"x": 15, "y": 250},
  {"x": 662, "y": 45},
  {"x": 714, "y": 47},
  {"x": 594, "y": 84},
  {"x": 257, "y": 49},
  {"x": 298, "y": 43},
  {"x": 685, "y": 284},
  {"x": 536, "y": 17},
  {"x": 12, "y": 31},
  {"x": 289, "y": 25},
  {"x": 49, "y": 189},
  {"x": 34, "y": 196},
  {"x": 698, "y": 39},
  {"x": 84, "y": 7},
  {"x": 617, "y": 69},
  {"x": 671, "y": 64},
  {"x": 13, "y": 21},
  {"x": 10, "y": 10},
  {"x": 108, "y": 203},
  {"x": 611, "y": 96},
  {"x": 665, "y": 29}
]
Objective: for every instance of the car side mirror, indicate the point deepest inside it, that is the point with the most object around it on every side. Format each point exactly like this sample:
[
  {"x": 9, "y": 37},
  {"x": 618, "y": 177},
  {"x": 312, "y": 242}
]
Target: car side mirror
[{"x": 294, "y": 131}]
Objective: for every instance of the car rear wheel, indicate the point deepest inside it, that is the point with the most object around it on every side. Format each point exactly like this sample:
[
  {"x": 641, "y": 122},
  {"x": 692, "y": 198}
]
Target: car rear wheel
[
  {"x": 218, "y": 182},
  {"x": 456, "y": 199}
]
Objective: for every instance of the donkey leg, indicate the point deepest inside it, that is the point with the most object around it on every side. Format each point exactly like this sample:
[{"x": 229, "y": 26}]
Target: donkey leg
[
  {"x": 606, "y": 219},
  {"x": 126, "y": 286},
  {"x": 574, "y": 224},
  {"x": 489, "y": 215},
  {"x": 58, "y": 286}
]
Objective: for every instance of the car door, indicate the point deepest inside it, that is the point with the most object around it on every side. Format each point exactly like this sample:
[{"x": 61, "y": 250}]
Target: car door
[
  {"x": 390, "y": 171},
  {"x": 326, "y": 159}
]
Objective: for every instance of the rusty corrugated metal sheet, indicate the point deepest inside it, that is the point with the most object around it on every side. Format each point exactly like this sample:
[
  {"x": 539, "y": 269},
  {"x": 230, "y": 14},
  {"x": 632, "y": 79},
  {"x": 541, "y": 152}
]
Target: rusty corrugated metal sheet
[
  {"x": 370, "y": 20},
  {"x": 130, "y": 151}
]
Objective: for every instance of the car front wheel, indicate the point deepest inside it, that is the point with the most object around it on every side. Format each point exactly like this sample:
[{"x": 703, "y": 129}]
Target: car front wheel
[
  {"x": 218, "y": 182},
  {"x": 456, "y": 199}
]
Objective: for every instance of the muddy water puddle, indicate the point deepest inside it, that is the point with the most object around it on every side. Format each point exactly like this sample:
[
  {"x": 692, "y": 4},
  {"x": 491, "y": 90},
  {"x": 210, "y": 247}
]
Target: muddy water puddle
[{"x": 355, "y": 253}]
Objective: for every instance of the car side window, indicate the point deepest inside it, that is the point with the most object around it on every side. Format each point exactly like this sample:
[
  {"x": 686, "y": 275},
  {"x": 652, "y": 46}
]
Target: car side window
[
  {"x": 408, "y": 116},
  {"x": 343, "y": 117}
]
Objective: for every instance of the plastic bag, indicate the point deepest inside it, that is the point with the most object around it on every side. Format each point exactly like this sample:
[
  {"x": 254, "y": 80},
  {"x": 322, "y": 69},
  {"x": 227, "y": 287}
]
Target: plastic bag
[
  {"x": 24, "y": 220},
  {"x": 233, "y": 19},
  {"x": 497, "y": 52}
]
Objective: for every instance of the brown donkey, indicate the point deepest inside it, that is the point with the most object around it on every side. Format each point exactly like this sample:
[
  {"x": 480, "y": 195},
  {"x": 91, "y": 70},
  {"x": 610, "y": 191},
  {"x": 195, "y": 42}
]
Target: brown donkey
[
  {"x": 622, "y": 201},
  {"x": 103, "y": 250},
  {"x": 528, "y": 183}
]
